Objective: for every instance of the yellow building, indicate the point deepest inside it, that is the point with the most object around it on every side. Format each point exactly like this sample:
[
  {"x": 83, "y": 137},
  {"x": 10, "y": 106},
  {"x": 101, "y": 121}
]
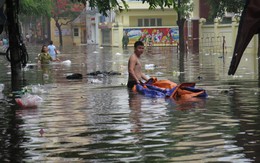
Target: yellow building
[
  {"x": 153, "y": 27},
  {"x": 79, "y": 30},
  {"x": 157, "y": 26}
]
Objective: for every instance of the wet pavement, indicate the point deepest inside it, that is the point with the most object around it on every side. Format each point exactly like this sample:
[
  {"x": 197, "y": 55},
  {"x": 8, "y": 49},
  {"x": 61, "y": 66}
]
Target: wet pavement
[{"x": 96, "y": 119}]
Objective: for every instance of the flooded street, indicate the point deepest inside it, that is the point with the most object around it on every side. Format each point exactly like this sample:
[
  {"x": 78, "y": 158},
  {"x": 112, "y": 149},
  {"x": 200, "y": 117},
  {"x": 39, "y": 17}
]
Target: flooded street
[{"x": 96, "y": 119}]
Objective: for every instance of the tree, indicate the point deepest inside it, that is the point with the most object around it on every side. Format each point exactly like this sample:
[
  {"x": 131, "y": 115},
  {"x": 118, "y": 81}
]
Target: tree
[
  {"x": 183, "y": 8},
  {"x": 35, "y": 7},
  {"x": 218, "y": 8},
  {"x": 34, "y": 16},
  {"x": 63, "y": 13}
]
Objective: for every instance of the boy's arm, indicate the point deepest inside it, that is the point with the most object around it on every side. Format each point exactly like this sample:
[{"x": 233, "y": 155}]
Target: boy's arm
[{"x": 144, "y": 77}]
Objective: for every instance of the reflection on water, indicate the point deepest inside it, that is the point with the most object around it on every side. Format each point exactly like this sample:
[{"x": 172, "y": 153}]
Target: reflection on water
[{"x": 82, "y": 121}]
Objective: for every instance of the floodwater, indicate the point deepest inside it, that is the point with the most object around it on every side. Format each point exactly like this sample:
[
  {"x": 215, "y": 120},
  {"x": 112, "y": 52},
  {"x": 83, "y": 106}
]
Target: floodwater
[{"x": 96, "y": 119}]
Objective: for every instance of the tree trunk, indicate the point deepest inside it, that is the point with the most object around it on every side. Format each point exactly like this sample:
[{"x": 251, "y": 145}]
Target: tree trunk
[
  {"x": 181, "y": 68},
  {"x": 182, "y": 48},
  {"x": 60, "y": 32},
  {"x": 181, "y": 36},
  {"x": 180, "y": 23},
  {"x": 13, "y": 31}
]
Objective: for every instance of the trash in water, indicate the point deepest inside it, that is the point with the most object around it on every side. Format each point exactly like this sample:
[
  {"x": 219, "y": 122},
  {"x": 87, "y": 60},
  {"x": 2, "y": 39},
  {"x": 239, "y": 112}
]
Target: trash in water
[
  {"x": 2, "y": 87},
  {"x": 96, "y": 81},
  {"x": 158, "y": 73},
  {"x": 74, "y": 76},
  {"x": 41, "y": 132},
  {"x": 38, "y": 89},
  {"x": 29, "y": 101},
  {"x": 35, "y": 89},
  {"x": 66, "y": 62},
  {"x": 149, "y": 66},
  {"x": 96, "y": 73}
]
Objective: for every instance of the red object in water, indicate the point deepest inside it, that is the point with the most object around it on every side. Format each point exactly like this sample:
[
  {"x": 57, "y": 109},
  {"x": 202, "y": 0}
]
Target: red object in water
[{"x": 41, "y": 131}]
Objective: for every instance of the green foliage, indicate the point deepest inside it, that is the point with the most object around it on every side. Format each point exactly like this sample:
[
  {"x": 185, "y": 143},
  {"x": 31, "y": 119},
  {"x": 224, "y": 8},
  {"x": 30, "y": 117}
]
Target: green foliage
[
  {"x": 186, "y": 6},
  {"x": 105, "y": 6},
  {"x": 48, "y": 7},
  {"x": 219, "y": 7},
  {"x": 35, "y": 7}
]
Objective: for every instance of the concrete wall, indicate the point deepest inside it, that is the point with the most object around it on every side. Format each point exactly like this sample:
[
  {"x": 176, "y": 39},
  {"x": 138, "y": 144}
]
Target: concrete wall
[
  {"x": 211, "y": 42},
  {"x": 212, "y": 37}
]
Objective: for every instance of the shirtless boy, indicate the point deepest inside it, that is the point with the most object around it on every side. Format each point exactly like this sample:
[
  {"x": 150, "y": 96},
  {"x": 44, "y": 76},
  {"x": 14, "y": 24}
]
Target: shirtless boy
[{"x": 134, "y": 66}]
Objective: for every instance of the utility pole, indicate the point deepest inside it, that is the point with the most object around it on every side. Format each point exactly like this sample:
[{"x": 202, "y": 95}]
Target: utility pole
[{"x": 15, "y": 55}]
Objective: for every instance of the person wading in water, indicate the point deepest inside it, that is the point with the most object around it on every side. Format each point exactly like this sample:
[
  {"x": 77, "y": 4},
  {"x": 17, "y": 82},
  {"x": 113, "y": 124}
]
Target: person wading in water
[{"x": 134, "y": 66}]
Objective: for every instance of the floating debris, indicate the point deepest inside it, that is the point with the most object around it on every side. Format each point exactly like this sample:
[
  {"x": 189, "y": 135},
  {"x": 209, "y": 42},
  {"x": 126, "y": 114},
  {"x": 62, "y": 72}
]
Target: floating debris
[
  {"x": 29, "y": 101},
  {"x": 96, "y": 81},
  {"x": 74, "y": 76},
  {"x": 107, "y": 73}
]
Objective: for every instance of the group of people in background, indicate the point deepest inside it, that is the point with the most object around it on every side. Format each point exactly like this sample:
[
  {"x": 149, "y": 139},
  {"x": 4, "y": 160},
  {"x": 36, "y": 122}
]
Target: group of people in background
[{"x": 48, "y": 53}]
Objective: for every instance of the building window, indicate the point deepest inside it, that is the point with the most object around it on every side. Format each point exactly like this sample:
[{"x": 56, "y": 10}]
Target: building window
[
  {"x": 149, "y": 22},
  {"x": 76, "y": 32},
  {"x": 152, "y": 22},
  {"x": 159, "y": 22},
  {"x": 146, "y": 22},
  {"x": 140, "y": 22}
]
